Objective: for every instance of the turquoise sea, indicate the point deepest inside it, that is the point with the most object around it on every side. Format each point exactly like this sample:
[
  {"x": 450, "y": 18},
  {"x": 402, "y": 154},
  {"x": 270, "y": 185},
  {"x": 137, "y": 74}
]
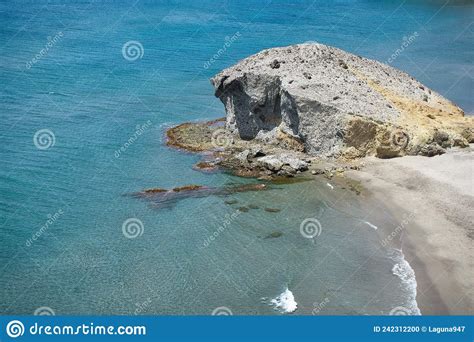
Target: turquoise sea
[{"x": 87, "y": 91}]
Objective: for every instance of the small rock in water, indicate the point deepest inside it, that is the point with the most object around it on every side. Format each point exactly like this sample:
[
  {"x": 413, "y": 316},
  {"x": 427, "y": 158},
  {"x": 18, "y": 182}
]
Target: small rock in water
[
  {"x": 272, "y": 210},
  {"x": 274, "y": 235},
  {"x": 154, "y": 191},
  {"x": 190, "y": 187},
  {"x": 243, "y": 209},
  {"x": 355, "y": 188},
  {"x": 230, "y": 201},
  {"x": 205, "y": 166}
]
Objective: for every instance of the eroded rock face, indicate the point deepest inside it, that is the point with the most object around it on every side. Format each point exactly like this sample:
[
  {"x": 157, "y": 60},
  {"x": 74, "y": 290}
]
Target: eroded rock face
[{"x": 328, "y": 102}]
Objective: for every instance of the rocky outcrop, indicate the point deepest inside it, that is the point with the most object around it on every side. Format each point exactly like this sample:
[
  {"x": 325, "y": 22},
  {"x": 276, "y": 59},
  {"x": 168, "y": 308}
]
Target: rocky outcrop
[
  {"x": 163, "y": 198},
  {"x": 242, "y": 157},
  {"x": 327, "y": 102}
]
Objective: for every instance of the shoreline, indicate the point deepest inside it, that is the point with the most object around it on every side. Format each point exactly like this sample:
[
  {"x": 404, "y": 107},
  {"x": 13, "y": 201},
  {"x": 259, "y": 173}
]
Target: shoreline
[
  {"x": 422, "y": 192},
  {"x": 437, "y": 240}
]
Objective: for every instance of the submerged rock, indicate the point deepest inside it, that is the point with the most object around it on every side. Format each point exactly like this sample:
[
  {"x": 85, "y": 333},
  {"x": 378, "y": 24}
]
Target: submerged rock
[
  {"x": 274, "y": 235},
  {"x": 188, "y": 188},
  {"x": 205, "y": 166},
  {"x": 329, "y": 102},
  {"x": 162, "y": 198},
  {"x": 154, "y": 191}
]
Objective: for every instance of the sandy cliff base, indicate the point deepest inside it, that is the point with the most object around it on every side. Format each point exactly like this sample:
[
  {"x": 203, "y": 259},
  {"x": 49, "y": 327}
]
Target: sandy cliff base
[{"x": 437, "y": 193}]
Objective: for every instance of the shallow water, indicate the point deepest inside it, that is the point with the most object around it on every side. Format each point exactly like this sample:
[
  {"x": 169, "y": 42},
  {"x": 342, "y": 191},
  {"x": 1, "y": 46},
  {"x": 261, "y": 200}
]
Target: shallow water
[{"x": 92, "y": 99}]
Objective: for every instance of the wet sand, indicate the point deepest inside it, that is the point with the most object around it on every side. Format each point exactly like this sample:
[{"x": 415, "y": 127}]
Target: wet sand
[{"x": 438, "y": 232}]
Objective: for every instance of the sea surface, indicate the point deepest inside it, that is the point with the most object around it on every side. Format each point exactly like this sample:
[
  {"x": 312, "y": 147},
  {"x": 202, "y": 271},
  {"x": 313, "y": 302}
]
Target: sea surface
[{"x": 87, "y": 92}]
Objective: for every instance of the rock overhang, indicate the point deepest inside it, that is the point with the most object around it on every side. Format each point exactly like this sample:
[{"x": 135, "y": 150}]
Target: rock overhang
[{"x": 317, "y": 94}]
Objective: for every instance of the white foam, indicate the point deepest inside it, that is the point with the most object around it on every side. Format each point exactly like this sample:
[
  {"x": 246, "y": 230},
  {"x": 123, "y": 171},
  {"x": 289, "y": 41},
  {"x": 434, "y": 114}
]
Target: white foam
[
  {"x": 403, "y": 270},
  {"x": 371, "y": 225},
  {"x": 285, "y": 302},
  {"x": 330, "y": 185},
  {"x": 167, "y": 124}
]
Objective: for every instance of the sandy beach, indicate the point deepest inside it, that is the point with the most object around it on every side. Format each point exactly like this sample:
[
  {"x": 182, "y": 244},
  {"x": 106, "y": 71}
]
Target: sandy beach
[{"x": 437, "y": 237}]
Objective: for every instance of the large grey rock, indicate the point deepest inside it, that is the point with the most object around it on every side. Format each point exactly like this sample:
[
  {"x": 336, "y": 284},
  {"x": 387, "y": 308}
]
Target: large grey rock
[
  {"x": 294, "y": 163},
  {"x": 277, "y": 161},
  {"x": 330, "y": 100},
  {"x": 271, "y": 162}
]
